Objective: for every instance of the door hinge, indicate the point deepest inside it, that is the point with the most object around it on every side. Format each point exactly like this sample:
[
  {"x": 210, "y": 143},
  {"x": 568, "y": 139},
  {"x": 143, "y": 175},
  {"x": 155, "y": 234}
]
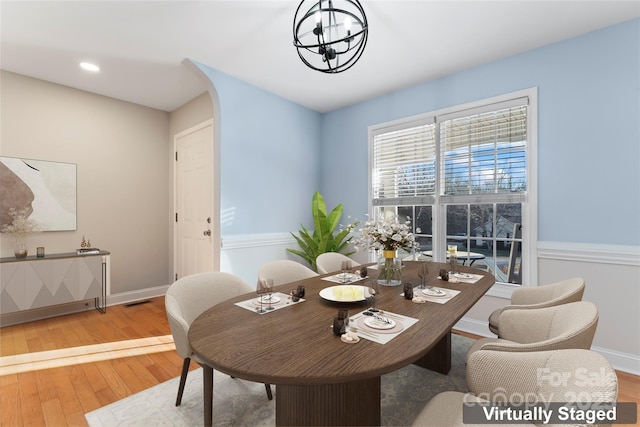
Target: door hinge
[
  {"x": 176, "y": 156},
  {"x": 176, "y": 216},
  {"x": 176, "y": 276}
]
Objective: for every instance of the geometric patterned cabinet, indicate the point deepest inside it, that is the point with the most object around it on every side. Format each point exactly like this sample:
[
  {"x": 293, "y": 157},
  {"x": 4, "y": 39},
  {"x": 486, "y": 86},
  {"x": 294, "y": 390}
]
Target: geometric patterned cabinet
[{"x": 55, "y": 279}]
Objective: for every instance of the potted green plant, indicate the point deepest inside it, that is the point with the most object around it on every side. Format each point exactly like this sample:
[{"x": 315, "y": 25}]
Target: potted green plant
[{"x": 323, "y": 238}]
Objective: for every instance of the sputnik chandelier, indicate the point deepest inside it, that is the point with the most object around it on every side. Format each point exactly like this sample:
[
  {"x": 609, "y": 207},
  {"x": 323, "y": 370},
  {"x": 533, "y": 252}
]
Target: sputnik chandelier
[{"x": 329, "y": 35}]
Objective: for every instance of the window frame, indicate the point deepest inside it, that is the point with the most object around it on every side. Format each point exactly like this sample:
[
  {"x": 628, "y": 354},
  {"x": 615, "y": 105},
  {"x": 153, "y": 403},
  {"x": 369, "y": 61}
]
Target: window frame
[{"x": 439, "y": 201}]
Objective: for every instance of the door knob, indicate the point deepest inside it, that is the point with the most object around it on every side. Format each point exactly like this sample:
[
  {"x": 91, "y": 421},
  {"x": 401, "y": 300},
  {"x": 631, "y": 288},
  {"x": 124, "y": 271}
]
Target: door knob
[{"x": 207, "y": 233}]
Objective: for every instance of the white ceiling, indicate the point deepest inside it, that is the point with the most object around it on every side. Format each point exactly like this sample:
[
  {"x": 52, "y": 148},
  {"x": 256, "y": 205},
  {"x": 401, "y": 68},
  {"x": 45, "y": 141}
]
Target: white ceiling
[{"x": 140, "y": 45}]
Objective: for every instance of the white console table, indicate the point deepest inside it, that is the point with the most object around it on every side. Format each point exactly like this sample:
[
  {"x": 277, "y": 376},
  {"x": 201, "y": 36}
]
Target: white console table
[{"x": 34, "y": 282}]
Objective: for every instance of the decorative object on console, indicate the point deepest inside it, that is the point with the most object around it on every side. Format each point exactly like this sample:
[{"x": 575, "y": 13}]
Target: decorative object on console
[
  {"x": 20, "y": 228},
  {"x": 330, "y": 35},
  {"x": 86, "y": 249}
]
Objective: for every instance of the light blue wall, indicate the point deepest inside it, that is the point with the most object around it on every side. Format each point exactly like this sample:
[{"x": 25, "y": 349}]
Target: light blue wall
[
  {"x": 588, "y": 132},
  {"x": 269, "y": 150},
  {"x": 588, "y": 140}
]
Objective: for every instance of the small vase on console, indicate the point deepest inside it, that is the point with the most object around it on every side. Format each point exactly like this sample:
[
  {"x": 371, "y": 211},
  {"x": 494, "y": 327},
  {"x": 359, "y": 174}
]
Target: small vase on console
[{"x": 21, "y": 250}]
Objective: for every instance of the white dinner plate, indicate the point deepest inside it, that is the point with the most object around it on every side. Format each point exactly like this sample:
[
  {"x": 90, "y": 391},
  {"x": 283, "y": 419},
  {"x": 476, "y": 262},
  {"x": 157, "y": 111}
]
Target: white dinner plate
[
  {"x": 433, "y": 292},
  {"x": 343, "y": 293},
  {"x": 374, "y": 323},
  {"x": 266, "y": 299}
]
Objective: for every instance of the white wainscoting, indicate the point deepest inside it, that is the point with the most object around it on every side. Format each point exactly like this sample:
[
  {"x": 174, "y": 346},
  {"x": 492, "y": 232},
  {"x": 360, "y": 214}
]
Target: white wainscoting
[
  {"x": 242, "y": 255},
  {"x": 612, "y": 276}
]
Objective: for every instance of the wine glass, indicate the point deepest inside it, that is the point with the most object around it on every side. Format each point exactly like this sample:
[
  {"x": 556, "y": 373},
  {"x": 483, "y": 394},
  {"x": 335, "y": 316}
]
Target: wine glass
[
  {"x": 261, "y": 290},
  {"x": 269, "y": 291}
]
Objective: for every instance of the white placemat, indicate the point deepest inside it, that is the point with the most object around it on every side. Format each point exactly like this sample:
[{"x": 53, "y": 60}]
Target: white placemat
[
  {"x": 380, "y": 337},
  {"x": 253, "y": 304},
  {"x": 450, "y": 293},
  {"x": 464, "y": 277}
]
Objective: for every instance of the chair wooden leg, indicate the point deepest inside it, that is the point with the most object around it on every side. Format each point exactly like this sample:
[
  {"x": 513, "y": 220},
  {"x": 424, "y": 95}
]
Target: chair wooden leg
[
  {"x": 269, "y": 394},
  {"x": 183, "y": 379}
]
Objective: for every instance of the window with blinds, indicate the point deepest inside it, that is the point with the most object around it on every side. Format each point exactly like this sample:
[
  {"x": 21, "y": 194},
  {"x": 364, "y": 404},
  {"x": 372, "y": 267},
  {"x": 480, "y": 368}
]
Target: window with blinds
[{"x": 462, "y": 177}]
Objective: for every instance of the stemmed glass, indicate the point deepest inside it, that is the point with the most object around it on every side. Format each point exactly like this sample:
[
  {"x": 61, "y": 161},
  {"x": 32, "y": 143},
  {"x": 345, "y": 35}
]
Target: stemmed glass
[
  {"x": 265, "y": 286},
  {"x": 261, "y": 290},
  {"x": 372, "y": 289},
  {"x": 269, "y": 289}
]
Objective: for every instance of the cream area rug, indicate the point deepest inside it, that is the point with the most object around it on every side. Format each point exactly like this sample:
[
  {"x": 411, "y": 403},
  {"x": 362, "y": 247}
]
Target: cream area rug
[{"x": 243, "y": 403}]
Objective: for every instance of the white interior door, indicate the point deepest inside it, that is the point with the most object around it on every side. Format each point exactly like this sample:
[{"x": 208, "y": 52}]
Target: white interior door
[{"x": 194, "y": 234}]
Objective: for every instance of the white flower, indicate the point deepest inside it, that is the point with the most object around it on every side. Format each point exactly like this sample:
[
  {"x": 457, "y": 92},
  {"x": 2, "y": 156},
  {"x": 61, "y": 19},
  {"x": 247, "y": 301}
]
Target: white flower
[
  {"x": 21, "y": 226},
  {"x": 387, "y": 236}
]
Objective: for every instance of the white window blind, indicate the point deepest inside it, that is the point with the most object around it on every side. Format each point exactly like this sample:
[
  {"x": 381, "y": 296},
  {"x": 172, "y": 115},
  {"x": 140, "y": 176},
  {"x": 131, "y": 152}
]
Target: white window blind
[
  {"x": 486, "y": 152},
  {"x": 404, "y": 163}
]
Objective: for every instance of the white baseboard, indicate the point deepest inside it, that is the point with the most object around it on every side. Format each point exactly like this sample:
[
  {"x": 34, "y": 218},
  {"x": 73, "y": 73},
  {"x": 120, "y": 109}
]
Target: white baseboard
[
  {"x": 134, "y": 296},
  {"x": 620, "y": 361},
  {"x": 79, "y": 306}
]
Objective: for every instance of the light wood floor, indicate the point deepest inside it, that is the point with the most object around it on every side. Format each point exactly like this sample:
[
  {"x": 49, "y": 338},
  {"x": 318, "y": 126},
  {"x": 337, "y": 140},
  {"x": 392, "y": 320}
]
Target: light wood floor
[{"x": 54, "y": 371}]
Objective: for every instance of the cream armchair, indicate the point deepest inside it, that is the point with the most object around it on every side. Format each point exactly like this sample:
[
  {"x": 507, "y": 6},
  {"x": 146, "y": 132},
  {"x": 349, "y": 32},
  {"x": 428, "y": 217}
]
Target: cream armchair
[
  {"x": 566, "y": 326},
  {"x": 189, "y": 297},
  {"x": 329, "y": 262},
  {"x": 563, "y": 292},
  {"x": 285, "y": 271},
  {"x": 495, "y": 376}
]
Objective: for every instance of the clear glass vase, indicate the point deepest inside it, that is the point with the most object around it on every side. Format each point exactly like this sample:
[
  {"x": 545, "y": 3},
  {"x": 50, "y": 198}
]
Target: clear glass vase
[
  {"x": 389, "y": 269},
  {"x": 21, "y": 250}
]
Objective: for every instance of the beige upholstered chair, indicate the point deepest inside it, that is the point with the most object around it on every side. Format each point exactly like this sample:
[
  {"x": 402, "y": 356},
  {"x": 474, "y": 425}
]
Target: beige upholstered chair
[
  {"x": 571, "y": 325},
  {"x": 189, "y": 297},
  {"x": 329, "y": 262},
  {"x": 285, "y": 271},
  {"x": 495, "y": 376},
  {"x": 569, "y": 290}
]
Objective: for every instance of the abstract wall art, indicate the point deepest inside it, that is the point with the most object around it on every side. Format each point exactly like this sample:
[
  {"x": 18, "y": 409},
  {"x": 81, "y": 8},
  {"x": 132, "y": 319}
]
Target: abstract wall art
[{"x": 47, "y": 190}]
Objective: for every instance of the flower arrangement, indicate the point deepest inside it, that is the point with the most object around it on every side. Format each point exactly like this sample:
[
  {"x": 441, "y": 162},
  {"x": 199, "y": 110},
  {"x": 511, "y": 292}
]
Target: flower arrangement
[
  {"x": 20, "y": 228},
  {"x": 388, "y": 236}
]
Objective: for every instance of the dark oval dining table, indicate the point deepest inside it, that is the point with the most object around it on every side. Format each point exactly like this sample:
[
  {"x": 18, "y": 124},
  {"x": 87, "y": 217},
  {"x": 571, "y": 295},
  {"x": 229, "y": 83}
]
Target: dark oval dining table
[{"x": 319, "y": 379}]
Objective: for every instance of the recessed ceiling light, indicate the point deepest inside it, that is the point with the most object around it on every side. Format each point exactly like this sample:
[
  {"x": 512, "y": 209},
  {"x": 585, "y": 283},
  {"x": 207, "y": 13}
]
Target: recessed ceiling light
[{"x": 89, "y": 66}]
